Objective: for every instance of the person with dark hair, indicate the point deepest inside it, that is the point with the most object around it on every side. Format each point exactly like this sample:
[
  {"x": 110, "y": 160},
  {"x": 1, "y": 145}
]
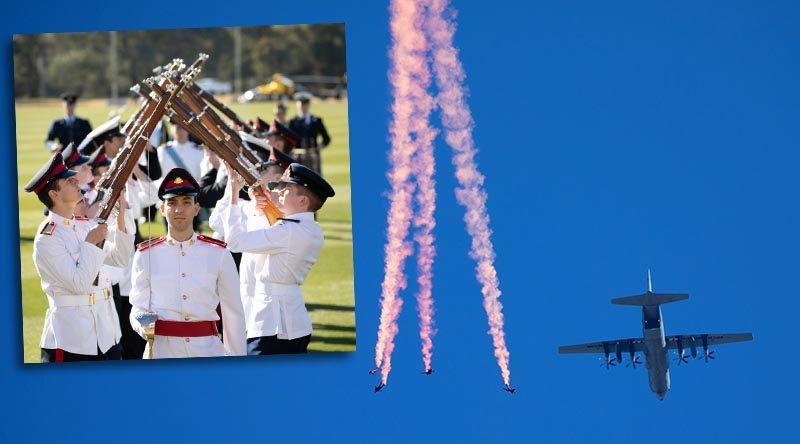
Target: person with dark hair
[
  {"x": 81, "y": 323},
  {"x": 70, "y": 129},
  {"x": 278, "y": 321},
  {"x": 186, "y": 282}
]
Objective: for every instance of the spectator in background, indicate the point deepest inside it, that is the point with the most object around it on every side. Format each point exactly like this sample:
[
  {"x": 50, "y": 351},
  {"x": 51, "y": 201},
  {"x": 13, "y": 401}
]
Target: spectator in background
[
  {"x": 309, "y": 128},
  {"x": 70, "y": 129},
  {"x": 280, "y": 113}
]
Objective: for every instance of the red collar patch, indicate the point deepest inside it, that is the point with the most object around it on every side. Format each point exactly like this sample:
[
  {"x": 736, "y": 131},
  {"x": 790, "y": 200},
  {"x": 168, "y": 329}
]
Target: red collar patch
[
  {"x": 150, "y": 243},
  {"x": 211, "y": 240}
]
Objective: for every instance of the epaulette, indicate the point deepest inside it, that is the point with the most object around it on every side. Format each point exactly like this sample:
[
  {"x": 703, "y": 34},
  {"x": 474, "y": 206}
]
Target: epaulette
[
  {"x": 211, "y": 240},
  {"x": 141, "y": 246},
  {"x": 80, "y": 218},
  {"x": 48, "y": 229}
]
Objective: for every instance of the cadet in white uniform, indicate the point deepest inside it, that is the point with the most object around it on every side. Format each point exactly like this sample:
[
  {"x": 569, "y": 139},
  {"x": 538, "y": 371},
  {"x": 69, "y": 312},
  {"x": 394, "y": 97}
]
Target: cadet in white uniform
[
  {"x": 183, "y": 278},
  {"x": 253, "y": 218},
  {"x": 81, "y": 323},
  {"x": 138, "y": 194},
  {"x": 279, "y": 321}
]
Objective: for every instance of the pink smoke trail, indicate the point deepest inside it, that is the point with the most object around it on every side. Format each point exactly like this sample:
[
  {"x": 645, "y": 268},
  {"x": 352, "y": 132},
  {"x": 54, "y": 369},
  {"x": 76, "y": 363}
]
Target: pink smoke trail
[
  {"x": 424, "y": 168},
  {"x": 407, "y": 56},
  {"x": 458, "y": 123}
]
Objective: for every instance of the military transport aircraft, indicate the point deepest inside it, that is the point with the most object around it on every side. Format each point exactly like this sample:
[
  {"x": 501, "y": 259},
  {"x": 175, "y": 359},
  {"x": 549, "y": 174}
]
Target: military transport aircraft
[{"x": 654, "y": 344}]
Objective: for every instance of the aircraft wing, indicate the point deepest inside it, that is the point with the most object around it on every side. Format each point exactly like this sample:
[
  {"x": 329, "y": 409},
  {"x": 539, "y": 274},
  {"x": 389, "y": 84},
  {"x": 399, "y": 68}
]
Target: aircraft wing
[
  {"x": 711, "y": 339},
  {"x": 624, "y": 346}
]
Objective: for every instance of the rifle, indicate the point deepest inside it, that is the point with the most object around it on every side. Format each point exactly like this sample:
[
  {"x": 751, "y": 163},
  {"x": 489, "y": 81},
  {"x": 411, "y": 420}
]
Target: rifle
[
  {"x": 124, "y": 165},
  {"x": 200, "y": 108},
  {"x": 133, "y": 128},
  {"x": 221, "y": 107},
  {"x": 126, "y": 160},
  {"x": 205, "y": 124},
  {"x": 195, "y": 107}
]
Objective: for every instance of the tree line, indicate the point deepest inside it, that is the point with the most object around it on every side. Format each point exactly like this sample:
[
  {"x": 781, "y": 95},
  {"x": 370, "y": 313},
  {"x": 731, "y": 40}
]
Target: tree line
[{"x": 47, "y": 64}]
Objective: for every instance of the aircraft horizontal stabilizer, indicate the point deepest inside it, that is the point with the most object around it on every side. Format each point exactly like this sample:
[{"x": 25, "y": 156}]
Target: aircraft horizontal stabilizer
[{"x": 650, "y": 299}]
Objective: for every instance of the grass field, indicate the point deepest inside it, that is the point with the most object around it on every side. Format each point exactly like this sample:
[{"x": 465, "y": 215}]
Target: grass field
[{"x": 328, "y": 290}]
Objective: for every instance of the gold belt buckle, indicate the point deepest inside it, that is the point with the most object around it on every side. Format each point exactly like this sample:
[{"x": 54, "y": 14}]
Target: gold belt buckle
[{"x": 91, "y": 298}]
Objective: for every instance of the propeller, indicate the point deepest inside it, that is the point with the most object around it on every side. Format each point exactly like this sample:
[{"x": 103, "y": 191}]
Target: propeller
[
  {"x": 633, "y": 362},
  {"x": 708, "y": 354},
  {"x": 608, "y": 362},
  {"x": 681, "y": 358}
]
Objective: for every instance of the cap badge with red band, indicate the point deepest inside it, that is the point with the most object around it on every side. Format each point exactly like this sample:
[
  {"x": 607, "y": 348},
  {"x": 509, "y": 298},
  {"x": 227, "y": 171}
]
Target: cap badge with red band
[
  {"x": 72, "y": 157},
  {"x": 178, "y": 182},
  {"x": 99, "y": 158},
  {"x": 279, "y": 129},
  {"x": 53, "y": 170}
]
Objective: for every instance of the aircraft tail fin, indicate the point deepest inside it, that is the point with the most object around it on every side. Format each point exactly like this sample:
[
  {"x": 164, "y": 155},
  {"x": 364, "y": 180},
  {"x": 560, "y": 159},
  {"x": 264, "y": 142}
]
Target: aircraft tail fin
[{"x": 650, "y": 298}]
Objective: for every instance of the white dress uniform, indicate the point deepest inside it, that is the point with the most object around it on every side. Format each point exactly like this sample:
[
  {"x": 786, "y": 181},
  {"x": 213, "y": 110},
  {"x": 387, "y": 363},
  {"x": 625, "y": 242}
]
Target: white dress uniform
[
  {"x": 253, "y": 219},
  {"x": 185, "y": 282},
  {"x": 80, "y": 316},
  {"x": 120, "y": 275},
  {"x": 189, "y": 153},
  {"x": 139, "y": 195},
  {"x": 287, "y": 250}
]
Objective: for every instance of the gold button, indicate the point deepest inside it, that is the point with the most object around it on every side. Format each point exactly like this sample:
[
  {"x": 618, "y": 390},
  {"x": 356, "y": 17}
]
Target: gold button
[
  {"x": 185, "y": 297},
  {"x": 183, "y": 275},
  {"x": 66, "y": 222},
  {"x": 186, "y": 318},
  {"x": 187, "y": 339},
  {"x": 183, "y": 253}
]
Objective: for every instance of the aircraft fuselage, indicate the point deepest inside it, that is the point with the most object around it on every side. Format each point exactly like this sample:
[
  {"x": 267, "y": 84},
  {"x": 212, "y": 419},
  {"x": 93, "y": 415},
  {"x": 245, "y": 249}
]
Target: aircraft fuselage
[{"x": 655, "y": 353}]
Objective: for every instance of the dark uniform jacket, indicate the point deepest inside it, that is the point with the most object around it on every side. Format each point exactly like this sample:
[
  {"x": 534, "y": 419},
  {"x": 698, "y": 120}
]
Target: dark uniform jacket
[
  {"x": 309, "y": 133},
  {"x": 65, "y": 133},
  {"x": 212, "y": 190}
]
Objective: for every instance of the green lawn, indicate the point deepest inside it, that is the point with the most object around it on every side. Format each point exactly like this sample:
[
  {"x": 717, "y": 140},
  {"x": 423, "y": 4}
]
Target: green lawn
[{"x": 328, "y": 290}]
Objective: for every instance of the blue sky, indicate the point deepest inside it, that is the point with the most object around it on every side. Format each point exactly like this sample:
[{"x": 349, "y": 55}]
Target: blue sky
[{"x": 614, "y": 138}]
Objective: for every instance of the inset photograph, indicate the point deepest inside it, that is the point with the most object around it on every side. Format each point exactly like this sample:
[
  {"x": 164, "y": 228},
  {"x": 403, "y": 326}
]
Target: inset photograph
[{"x": 184, "y": 193}]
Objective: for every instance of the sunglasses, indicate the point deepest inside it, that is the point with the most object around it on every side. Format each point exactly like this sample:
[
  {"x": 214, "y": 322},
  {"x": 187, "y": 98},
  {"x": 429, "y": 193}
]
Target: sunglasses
[{"x": 277, "y": 186}]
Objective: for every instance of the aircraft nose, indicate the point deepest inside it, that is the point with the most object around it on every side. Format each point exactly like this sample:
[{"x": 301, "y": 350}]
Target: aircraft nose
[{"x": 661, "y": 395}]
